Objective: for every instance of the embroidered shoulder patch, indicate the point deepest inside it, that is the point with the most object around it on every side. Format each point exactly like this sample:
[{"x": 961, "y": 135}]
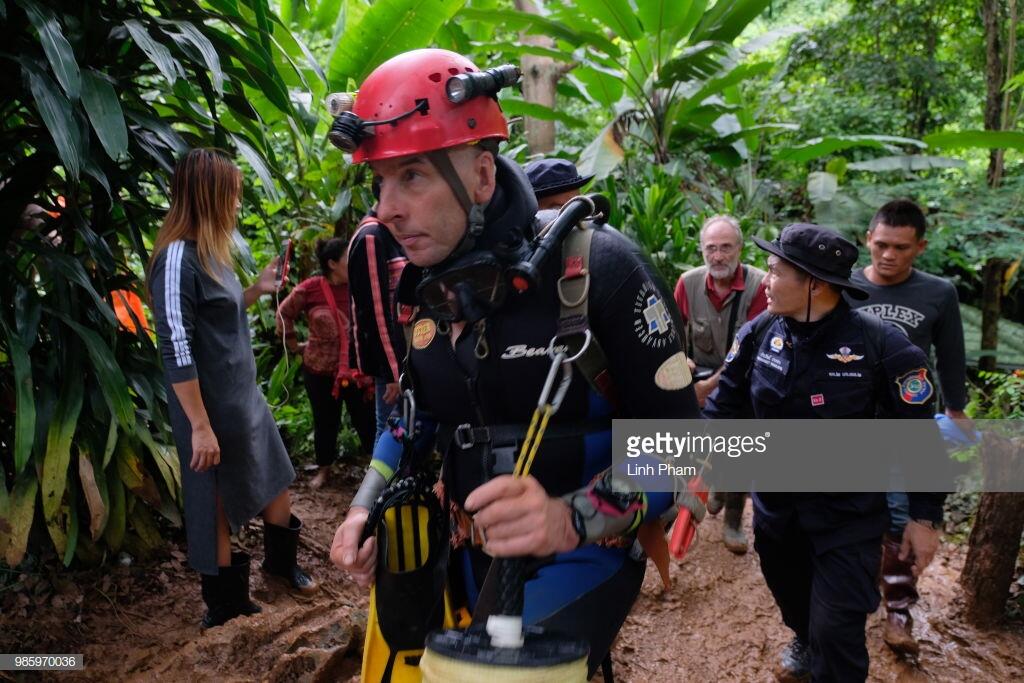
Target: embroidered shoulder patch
[
  {"x": 674, "y": 373},
  {"x": 731, "y": 356},
  {"x": 915, "y": 387}
]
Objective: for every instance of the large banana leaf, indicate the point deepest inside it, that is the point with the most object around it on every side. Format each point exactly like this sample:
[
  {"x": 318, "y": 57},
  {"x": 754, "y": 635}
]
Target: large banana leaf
[
  {"x": 388, "y": 28},
  {"x": 819, "y": 147},
  {"x": 983, "y": 139}
]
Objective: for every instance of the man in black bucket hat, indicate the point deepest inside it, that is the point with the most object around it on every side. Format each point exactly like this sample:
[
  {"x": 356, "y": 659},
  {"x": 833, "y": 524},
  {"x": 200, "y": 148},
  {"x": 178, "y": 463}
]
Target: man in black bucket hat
[
  {"x": 811, "y": 356},
  {"x": 555, "y": 181}
]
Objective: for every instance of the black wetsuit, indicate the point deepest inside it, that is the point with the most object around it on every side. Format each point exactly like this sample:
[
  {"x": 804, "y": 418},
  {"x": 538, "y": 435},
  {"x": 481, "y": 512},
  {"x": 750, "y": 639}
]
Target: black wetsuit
[{"x": 587, "y": 592}]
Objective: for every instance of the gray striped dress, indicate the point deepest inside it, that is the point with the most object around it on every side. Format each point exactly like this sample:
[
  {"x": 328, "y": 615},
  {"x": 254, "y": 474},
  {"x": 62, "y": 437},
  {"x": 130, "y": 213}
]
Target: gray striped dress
[{"x": 203, "y": 333}]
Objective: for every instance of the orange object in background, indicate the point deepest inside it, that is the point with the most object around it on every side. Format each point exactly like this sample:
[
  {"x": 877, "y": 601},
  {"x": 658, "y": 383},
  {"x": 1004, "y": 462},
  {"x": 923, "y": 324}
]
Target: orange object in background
[{"x": 125, "y": 301}]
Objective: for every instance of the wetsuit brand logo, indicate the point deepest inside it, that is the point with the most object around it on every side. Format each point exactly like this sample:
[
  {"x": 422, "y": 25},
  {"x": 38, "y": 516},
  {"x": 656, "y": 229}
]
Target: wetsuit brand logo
[
  {"x": 652, "y": 321},
  {"x": 523, "y": 351},
  {"x": 818, "y": 399},
  {"x": 845, "y": 355},
  {"x": 423, "y": 334},
  {"x": 897, "y": 314},
  {"x": 915, "y": 387}
]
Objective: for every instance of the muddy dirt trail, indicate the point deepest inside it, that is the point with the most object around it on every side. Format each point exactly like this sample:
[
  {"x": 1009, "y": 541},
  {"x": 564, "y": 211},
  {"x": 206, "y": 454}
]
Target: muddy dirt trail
[{"x": 139, "y": 622}]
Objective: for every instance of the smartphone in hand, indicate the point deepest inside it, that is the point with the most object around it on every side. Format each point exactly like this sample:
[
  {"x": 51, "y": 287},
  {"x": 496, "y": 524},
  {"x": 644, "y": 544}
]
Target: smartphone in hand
[{"x": 281, "y": 274}]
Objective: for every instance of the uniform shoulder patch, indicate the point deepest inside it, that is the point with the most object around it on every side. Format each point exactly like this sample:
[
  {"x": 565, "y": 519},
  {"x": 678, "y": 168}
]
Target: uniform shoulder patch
[
  {"x": 915, "y": 387},
  {"x": 733, "y": 350}
]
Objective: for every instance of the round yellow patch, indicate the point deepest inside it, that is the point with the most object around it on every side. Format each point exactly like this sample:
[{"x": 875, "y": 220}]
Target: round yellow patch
[
  {"x": 423, "y": 333},
  {"x": 674, "y": 373}
]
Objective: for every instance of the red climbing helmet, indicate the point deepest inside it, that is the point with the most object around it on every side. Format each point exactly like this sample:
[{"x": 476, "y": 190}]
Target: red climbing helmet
[{"x": 417, "y": 82}]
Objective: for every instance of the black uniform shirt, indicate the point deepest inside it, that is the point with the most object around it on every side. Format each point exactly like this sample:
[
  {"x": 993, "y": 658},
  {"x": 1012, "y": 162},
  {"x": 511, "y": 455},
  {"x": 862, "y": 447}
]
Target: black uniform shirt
[{"x": 826, "y": 369}]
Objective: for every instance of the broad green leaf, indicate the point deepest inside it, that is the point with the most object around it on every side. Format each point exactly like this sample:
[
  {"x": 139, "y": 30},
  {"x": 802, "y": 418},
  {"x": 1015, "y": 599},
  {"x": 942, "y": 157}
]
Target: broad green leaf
[
  {"x": 698, "y": 61},
  {"x": 326, "y": 13},
  {"x": 984, "y": 139},
  {"x": 108, "y": 373},
  {"x": 25, "y": 406},
  {"x": 259, "y": 165},
  {"x": 114, "y": 533},
  {"x": 537, "y": 25},
  {"x": 56, "y": 47},
  {"x": 58, "y": 442},
  {"x": 726, "y": 80},
  {"x": 157, "y": 52},
  {"x": 522, "y": 49},
  {"x": 906, "y": 162},
  {"x": 616, "y": 15},
  {"x": 55, "y": 110},
  {"x": 197, "y": 38},
  {"x": 666, "y": 20},
  {"x": 167, "y": 463},
  {"x": 94, "y": 484},
  {"x": 70, "y": 513},
  {"x": 518, "y": 107},
  {"x": 28, "y": 309},
  {"x": 602, "y": 85},
  {"x": 821, "y": 186},
  {"x": 727, "y": 19},
  {"x": 603, "y": 154},
  {"x": 388, "y": 28},
  {"x": 104, "y": 109},
  {"x": 17, "y": 522},
  {"x": 819, "y": 147},
  {"x": 72, "y": 270},
  {"x": 133, "y": 473},
  {"x": 262, "y": 22}
]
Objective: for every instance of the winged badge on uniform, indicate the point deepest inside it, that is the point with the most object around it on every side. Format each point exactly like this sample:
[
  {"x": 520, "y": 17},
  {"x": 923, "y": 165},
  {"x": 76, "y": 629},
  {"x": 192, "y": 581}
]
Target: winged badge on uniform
[{"x": 845, "y": 355}]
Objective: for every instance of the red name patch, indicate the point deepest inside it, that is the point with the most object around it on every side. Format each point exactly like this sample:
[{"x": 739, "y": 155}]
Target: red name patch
[{"x": 817, "y": 399}]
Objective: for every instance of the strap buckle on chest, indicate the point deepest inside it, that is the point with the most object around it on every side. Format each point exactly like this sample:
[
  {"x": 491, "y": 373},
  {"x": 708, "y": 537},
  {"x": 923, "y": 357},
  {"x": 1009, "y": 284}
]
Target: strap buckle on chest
[{"x": 466, "y": 436}]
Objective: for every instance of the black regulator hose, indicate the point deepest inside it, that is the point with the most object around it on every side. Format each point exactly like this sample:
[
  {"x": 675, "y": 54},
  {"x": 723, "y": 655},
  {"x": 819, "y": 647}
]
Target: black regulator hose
[{"x": 525, "y": 275}]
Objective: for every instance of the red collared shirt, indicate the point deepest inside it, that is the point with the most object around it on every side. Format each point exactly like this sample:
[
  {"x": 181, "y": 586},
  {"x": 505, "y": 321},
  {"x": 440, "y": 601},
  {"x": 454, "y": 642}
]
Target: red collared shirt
[{"x": 757, "y": 304}]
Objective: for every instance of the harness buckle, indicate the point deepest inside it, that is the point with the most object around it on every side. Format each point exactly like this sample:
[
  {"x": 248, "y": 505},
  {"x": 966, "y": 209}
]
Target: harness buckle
[{"x": 463, "y": 436}]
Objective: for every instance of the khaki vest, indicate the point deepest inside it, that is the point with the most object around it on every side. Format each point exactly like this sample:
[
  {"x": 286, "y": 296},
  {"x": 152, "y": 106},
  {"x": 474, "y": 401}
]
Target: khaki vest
[{"x": 707, "y": 330}]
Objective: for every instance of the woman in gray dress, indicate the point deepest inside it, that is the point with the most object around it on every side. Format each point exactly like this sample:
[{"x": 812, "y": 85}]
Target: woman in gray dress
[{"x": 233, "y": 462}]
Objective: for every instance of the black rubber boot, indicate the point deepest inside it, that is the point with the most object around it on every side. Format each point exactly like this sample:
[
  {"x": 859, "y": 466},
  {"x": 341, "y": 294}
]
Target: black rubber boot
[
  {"x": 732, "y": 530},
  {"x": 280, "y": 547},
  {"x": 795, "y": 663},
  {"x": 227, "y": 594}
]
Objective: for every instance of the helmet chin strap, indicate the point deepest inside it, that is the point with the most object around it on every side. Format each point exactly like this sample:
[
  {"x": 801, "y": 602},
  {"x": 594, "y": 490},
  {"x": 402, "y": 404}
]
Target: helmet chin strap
[{"x": 474, "y": 212}]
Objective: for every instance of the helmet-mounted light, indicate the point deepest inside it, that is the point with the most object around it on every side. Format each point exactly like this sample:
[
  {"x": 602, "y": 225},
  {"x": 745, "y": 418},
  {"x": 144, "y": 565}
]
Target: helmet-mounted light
[
  {"x": 476, "y": 83},
  {"x": 348, "y": 130}
]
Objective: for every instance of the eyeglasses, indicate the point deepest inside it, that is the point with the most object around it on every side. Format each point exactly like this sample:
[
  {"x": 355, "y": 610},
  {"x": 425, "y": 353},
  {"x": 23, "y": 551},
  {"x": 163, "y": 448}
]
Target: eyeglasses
[{"x": 724, "y": 250}]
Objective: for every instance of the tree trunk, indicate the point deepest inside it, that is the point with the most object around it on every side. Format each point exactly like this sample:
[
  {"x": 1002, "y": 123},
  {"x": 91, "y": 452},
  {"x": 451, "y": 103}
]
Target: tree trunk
[
  {"x": 992, "y": 19},
  {"x": 540, "y": 76},
  {"x": 995, "y": 538},
  {"x": 991, "y": 304}
]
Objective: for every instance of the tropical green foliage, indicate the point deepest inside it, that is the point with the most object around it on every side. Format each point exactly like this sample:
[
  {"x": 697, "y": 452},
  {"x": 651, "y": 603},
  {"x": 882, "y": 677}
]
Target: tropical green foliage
[{"x": 98, "y": 100}]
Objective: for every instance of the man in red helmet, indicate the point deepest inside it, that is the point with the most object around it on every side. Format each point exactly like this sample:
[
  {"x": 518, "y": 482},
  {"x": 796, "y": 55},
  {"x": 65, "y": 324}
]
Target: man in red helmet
[{"x": 428, "y": 123}]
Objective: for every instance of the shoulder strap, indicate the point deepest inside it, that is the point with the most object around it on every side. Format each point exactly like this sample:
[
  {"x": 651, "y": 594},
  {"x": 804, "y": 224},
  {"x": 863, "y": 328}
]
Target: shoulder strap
[
  {"x": 342, "y": 372},
  {"x": 573, "y": 326},
  {"x": 734, "y": 310}
]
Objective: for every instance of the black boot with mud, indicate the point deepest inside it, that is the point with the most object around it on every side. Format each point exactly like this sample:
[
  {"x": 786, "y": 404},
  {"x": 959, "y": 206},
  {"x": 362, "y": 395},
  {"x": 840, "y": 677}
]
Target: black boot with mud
[
  {"x": 733, "y": 536},
  {"x": 280, "y": 548},
  {"x": 227, "y": 594},
  {"x": 795, "y": 663}
]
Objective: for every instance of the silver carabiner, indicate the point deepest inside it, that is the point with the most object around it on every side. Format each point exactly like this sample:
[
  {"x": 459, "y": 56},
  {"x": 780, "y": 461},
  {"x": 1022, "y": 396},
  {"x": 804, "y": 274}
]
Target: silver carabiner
[
  {"x": 409, "y": 412},
  {"x": 550, "y": 381},
  {"x": 563, "y": 386}
]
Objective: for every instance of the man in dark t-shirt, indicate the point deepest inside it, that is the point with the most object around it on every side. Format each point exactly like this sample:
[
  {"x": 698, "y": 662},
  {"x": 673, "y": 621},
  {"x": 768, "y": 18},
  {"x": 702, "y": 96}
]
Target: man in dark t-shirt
[{"x": 926, "y": 307}]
